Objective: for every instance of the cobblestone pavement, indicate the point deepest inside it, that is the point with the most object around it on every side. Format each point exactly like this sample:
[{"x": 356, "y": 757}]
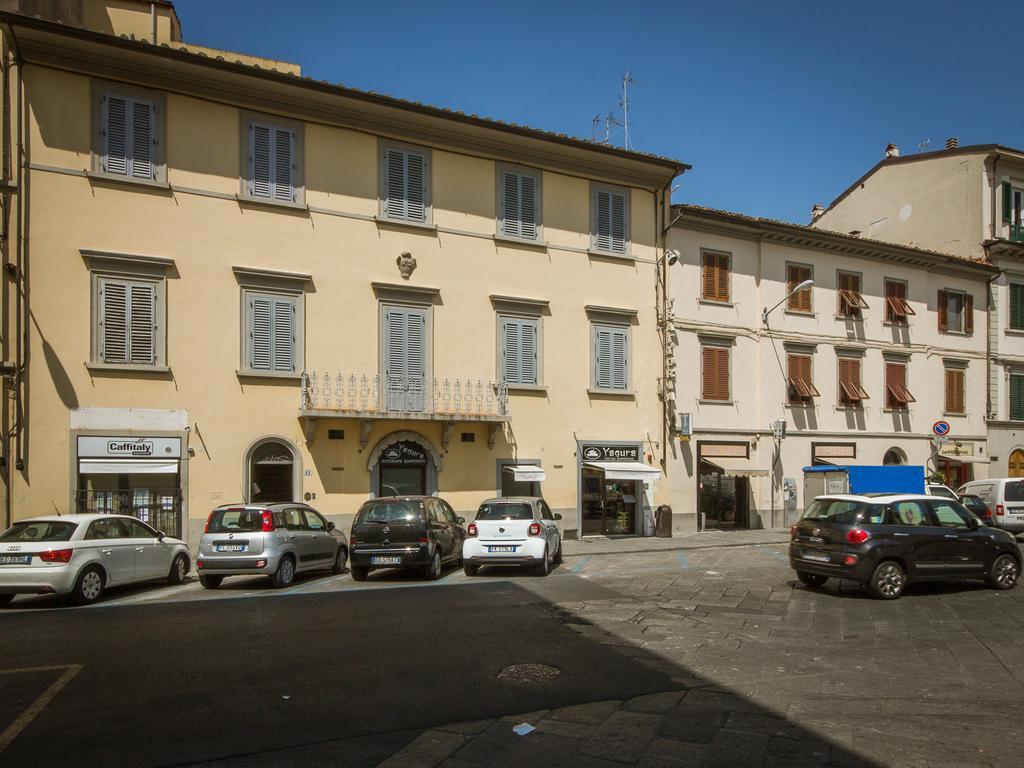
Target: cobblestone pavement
[{"x": 769, "y": 673}]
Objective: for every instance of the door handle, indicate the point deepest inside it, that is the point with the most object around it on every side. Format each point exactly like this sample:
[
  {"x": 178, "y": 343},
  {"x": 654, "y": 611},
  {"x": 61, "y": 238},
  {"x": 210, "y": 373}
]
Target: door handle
[
  {"x": 291, "y": 536},
  {"x": 952, "y": 536},
  {"x": 107, "y": 551},
  {"x": 901, "y": 534},
  {"x": 140, "y": 549}
]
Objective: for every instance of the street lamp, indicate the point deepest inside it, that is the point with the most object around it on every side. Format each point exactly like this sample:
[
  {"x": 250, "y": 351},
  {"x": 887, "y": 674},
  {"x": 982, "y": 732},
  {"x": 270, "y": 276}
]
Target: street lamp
[{"x": 802, "y": 287}]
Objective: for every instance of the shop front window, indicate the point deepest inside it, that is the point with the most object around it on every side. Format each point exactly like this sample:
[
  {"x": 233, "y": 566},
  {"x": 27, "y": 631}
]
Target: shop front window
[{"x": 609, "y": 506}]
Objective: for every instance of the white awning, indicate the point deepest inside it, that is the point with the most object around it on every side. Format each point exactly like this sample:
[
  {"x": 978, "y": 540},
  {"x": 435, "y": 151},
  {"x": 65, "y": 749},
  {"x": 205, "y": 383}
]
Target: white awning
[
  {"x": 126, "y": 467},
  {"x": 525, "y": 473},
  {"x": 736, "y": 467},
  {"x": 967, "y": 459},
  {"x": 625, "y": 470}
]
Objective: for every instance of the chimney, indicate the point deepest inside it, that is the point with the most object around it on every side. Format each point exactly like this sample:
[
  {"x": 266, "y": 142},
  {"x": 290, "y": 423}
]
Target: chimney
[
  {"x": 891, "y": 150},
  {"x": 816, "y": 210},
  {"x": 952, "y": 142}
]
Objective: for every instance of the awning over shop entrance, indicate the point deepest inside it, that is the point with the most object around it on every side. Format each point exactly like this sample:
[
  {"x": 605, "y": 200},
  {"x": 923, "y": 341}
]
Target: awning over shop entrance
[
  {"x": 736, "y": 467},
  {"x": 126, "y": 467},
  {"x": 625, "y": 470},
  {"x": 525, "y": 473},
  {"x": 966, "y": 459}
]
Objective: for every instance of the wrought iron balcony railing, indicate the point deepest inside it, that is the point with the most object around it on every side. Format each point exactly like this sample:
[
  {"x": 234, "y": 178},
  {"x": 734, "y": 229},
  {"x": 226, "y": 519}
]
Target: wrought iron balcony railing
[
  {"x": 379, "y": 396},
  {"x": 1017, "y": 232}
]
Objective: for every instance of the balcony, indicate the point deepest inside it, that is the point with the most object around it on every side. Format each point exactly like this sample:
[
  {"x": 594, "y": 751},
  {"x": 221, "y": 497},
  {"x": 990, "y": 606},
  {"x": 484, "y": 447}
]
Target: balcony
[
  {"x": 368, "y": 398},
  {"x": 1017, "y": 232}
]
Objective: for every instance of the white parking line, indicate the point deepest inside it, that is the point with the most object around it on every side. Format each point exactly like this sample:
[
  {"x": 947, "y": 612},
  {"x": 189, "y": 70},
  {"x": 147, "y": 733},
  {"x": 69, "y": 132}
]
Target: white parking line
[{"x": 37, "y": 706}]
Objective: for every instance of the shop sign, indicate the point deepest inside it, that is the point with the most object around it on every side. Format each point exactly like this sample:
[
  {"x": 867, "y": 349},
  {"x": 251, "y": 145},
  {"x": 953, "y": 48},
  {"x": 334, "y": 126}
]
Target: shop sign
[
  {"x": 403, "y": 455},
  {"x": 956, "y": 449},
  {"x": 833, "y": 450},
  {"x": 599, "y": 452},
  {"x": 129, "y": 447},
  {"x": 725, "y": 450}
]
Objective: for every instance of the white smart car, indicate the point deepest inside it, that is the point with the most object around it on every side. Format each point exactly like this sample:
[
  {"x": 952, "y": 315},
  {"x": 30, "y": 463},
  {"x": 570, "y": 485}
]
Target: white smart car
[
  {"x": 81, "y": 555},
  {"x": 514, "y": 530}
]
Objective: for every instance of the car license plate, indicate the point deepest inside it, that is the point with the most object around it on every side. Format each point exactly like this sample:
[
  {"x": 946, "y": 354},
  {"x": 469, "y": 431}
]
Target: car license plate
[
  {"x": 816, "y": 558},
  {"x": 501, "y": 549},
  {"x": 230, "y": 547},
  {"x": 381, "y": 560},
  {"x": 15, "y": 559}
]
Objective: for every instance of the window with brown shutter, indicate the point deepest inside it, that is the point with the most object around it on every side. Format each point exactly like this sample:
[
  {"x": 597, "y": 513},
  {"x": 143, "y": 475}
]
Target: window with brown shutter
[
  {"x": 850, "y": 390},
  {"x": 715, "y": 373},
  {"x": 801, "y": 300},
  {"x": 897, "y": 309},
  {"x": 943, "y": 310},
  {"x": 851, "y": 302},
  {"x": 968, "y": 314},
  {"x": 955, "y": 390},
  {"x": 956, "y": 312},
  {"x": 801, "y": 384},
  {"x": 897, "y": 394},
  {"x": 716, "y": 277}
]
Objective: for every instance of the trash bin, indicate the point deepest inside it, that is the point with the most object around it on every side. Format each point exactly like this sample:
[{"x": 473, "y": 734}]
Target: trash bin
[{"x": 663, "y": 522}]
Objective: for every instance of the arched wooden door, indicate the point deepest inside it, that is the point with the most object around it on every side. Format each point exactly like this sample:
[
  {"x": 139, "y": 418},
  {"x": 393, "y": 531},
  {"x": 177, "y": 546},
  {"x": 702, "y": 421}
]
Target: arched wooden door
[{"x": 1016, "y": 463}]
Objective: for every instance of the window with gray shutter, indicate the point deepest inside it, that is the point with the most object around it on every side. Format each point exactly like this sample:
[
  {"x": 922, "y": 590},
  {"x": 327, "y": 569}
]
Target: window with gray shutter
[
  {"x": 519, "y": 212},
  {"x": 127, "y": 319},
  {"x": 405, "y": 185},
  {"x": 128, "y": 132},
  {"x": 272, "y": 163},
  {"x": 272, "y": 333},
  {"x": 610, "y": 212},
  {"x": 611, "y": 357},
  {"x": 1016, "y": 397},
  {"x": 519, "y": 350},
  {"x": 405, "y": 361}
]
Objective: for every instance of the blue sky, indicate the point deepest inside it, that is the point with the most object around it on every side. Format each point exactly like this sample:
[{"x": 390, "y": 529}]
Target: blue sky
[{"x": 777, "y": 105}]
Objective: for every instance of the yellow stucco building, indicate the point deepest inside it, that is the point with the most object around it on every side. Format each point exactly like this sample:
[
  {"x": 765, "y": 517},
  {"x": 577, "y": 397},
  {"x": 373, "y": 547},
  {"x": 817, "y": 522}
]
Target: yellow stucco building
[{"x": 225, "y": 281}]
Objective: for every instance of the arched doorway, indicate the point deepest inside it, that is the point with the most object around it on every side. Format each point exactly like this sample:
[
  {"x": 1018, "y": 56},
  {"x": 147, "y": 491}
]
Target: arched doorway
[
  {"x": 894, "y": 456},
  {"x": 271, "y": 472},
  {"x": 1015, "y": 464},
  {"x": 404, "y": 464}
]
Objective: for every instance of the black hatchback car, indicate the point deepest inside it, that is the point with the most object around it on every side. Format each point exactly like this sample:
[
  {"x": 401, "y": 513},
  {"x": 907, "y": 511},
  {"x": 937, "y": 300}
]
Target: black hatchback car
[
  {"x": 885, "y": 542},
  {"x": 405, "y": 532}
]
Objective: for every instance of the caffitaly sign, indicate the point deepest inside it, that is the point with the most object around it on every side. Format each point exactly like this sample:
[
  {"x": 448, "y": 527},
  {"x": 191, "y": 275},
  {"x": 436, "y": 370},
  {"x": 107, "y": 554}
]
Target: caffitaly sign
[
  {"x": 600, "y": 452},
  {"x": 102, "y": 447}
]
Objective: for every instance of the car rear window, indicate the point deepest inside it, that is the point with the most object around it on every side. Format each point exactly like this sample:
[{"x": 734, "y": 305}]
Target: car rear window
[
  {"x": 39, "y": 531},
  {"x": 839, "y": 511},
  {"x": 389, "y": 512},
  {"x": 235, "y": 520},
  {"x": 1014, "y": 491},
  {"x": 506, "y": 511}
]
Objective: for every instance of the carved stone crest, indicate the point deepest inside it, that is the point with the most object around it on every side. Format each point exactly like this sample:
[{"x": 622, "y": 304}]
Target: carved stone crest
[{"x": 406, "y": 264}]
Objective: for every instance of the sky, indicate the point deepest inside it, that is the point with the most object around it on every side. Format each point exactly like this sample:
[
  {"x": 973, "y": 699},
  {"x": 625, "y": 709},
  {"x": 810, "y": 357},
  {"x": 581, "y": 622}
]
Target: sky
[{"x": 777, "y": 105}]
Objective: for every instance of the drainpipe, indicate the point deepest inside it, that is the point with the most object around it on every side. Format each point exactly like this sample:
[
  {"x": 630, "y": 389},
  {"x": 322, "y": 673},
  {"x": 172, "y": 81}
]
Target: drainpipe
[
  {"x": 5, "y": 471},
  {"x": 152, "y": 19}
]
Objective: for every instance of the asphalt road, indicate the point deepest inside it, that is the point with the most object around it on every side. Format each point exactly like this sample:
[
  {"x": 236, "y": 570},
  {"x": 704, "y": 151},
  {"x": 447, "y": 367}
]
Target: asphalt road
[{"x": 179, "y": 682}]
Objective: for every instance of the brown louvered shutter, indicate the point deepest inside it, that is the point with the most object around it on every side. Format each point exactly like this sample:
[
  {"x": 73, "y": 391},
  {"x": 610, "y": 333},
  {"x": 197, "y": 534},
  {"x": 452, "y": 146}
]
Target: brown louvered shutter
[
  {"x": 710, "y": 375},
  {"x": 954, "y": 390},
  {"x": 968, "y": 314},
  {"x": 716, "y": 373},
  {"x": 800, "y": 301},
  {"x": 710, "y": 276},
  {"x": 943, "y": 307},
  {"x": 723, "y": 277},
  {"x": 793, "y": 363},
  {"x": 723, "y": 374}
]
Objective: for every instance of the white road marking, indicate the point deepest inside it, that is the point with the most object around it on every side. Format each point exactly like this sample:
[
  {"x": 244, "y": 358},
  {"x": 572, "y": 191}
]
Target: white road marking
[{"x": 37, "y": 706}]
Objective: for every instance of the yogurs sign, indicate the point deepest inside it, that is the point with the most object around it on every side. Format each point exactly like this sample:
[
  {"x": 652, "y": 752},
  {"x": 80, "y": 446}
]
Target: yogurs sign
[{"x": 609, "y": 452}]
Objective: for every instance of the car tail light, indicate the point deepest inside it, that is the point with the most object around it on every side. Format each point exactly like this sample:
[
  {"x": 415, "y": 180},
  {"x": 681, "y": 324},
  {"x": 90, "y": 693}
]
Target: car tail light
[
  {"x": 206, "y": 528},
  {"x": 792, "y": 532},
  {"x": 850, "y": 560},
  {"x": 857, "y": 536},
  {"x": 999, "y": 510},
  {"x": 471, "y": 530},
  {"x": 352, "y": 541},
  {"x": 261, "y": 563},
  {"x": 424, "y": 541},
  {"x": 534, "y": 529},
  {"x": 199, "y": 564},
  {"x": 266, "y": 521},
  {"x": 57, "y": 556}
]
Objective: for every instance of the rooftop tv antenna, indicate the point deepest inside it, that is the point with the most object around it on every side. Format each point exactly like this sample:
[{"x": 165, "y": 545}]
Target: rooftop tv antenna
[
  {"x": 627, "y": 80},
  {"x": 594, "y": 128},
  {"x": 610, "y": 121},
  {"x": 923, "y": 146}
]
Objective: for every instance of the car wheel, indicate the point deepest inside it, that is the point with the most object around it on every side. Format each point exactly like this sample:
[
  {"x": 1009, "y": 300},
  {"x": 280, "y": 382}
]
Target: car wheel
[
  {"x": 339, "y": 561},
  {"x": 557, "y": 559},
  {"x": 433, "y": 571},
  {"x": 359, "y": 574},
  {"x": 179, "y": 567},
  {"x": 210, "y": 582},
  {"x": 470, "y": 570},
  {"x": 543, "y": 568},
  {"x": 811, "y": 579},
  {"x": 1004, "y": 573},
  {"x": 89, "y": 587},
  {"x": 887, "y": 581},
  {"x": 285, "y": 573},
  {"x": 5, "y": 600}
]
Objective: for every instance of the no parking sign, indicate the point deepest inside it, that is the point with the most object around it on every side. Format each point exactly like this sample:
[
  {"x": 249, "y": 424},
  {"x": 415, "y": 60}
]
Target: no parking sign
[{"x": 940, "y": 428}]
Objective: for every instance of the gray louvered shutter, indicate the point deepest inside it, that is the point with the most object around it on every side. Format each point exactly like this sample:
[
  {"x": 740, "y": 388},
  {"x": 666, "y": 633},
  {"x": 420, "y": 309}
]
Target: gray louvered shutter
[
  {"x": 283, "y": 321},
  {"x": 115, "y": 135},
  {"x": 511, "y": 351},
  {"x": 510, "y": 205},
  {"x": 415, "y": 187},
  {"x": 602, "y": 221},
  {"x": 619, "y": 357},
  {"x": 143, "y": 139},
  {"x": 142, "y": 323},
  {"x": 415, "y": 359},
  {"x": 603, "y": 358},
  {"x": 1017, "y": 398},
  {"x": 528, "y": 207},
  {"x": 260, "y": 180},
  {"x": 394, "y": 184},
  {"x": 528, "y": 351},
  {"x": 284, "y": 164},
  {"x": 113, "y": 330},
  {"x": 617, "y": 217},
  {"x": 260, "y": 333}
]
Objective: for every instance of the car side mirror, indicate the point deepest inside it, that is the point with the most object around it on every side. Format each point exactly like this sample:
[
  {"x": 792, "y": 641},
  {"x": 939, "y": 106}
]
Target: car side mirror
[
  {"x": 460, "y": 520},
  {"x": 557, "y": 516},
  {"x": 972, "y": 523},
  {"x": 161, "y": 535},
  {"x": 331, "y": 526}
]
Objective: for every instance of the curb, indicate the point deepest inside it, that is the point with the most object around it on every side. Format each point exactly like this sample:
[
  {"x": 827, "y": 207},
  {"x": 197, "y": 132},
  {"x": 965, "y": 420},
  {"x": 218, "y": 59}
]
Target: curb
[{"x": 674, "y": 549}]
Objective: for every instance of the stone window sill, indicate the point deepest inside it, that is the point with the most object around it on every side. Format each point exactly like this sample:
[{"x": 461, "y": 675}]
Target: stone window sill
[
  {"x": 133, "y": 368},
  {"x": 512, "y": 388},
  {"x": 267, "y": 202},
  {"x": 611, "y": 255},
  {"x": 509, "y": 240},
  {"x": 422, "y": 225},
  {"x": 713, "y": 303},
  {"x": 268, "y": 375},
  {"x": 129, "y": 180},
  {"x": 624, "y": 393}
]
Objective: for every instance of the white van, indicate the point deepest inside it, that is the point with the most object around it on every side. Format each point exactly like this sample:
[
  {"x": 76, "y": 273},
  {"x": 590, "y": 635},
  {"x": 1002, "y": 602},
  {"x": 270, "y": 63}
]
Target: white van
[{"x": 1004, "y": 496}]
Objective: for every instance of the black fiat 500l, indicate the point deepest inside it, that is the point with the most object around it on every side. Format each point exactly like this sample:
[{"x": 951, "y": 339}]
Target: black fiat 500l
[
  {"x": 885, "y": 542},
  {"x": 419, "y": 532}
]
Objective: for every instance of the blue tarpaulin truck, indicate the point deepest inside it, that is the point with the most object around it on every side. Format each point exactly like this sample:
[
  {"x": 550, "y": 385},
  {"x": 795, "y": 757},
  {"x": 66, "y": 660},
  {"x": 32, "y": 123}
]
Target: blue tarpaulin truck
[{"x": 891, "y": 478}]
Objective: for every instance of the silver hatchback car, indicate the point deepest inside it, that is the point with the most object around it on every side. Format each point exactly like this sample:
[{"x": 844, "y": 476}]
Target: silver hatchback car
[{"x": 274, "y": 540}]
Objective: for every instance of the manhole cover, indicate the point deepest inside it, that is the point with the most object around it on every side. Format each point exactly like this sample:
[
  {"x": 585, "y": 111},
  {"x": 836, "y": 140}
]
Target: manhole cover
[{"x": 529, "y": 673}]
